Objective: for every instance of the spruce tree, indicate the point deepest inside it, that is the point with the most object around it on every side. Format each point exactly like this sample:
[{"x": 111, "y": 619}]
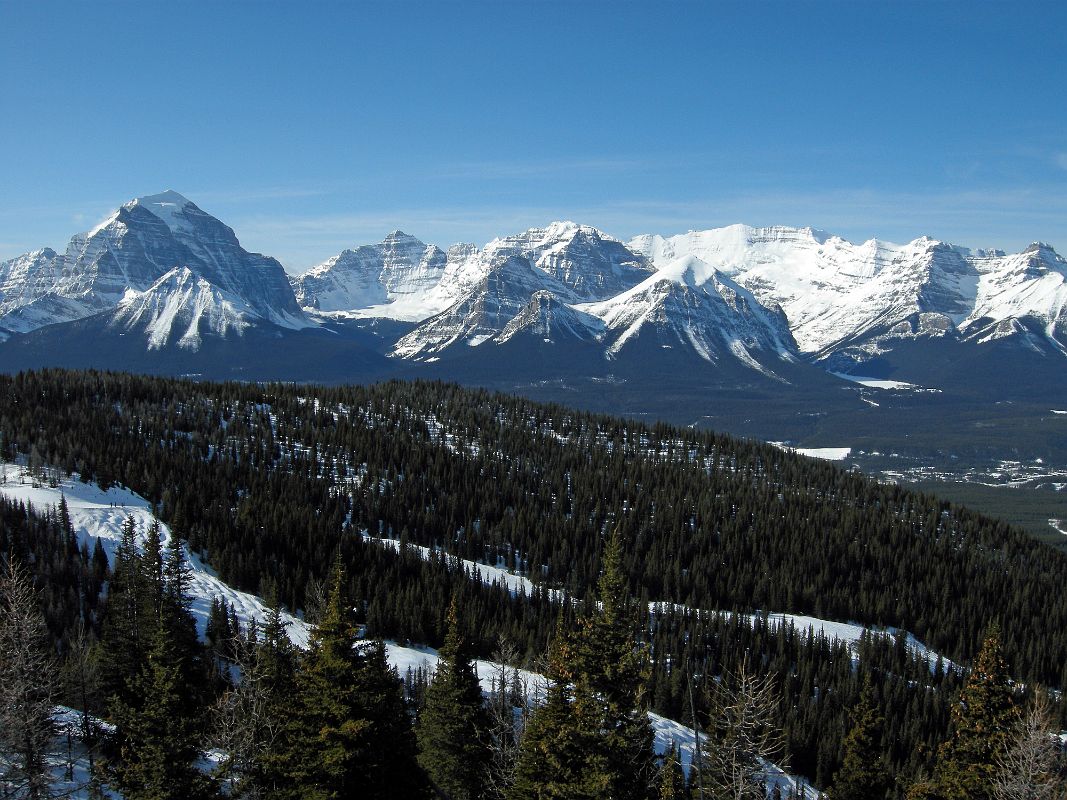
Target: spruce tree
[
  {"x": 863, "y": 774},
  {"x": 345, "y": 720},
  {"x": 453, "y": 727},
  {"x": 982, "y": 721},
  {"x": 552, "y": 762},
  {"x": 592, "y": 737},
  {"x": 612, "y": 674},
  {"x": 156, "y": 739},
  {"x": 671, "y": 777}
]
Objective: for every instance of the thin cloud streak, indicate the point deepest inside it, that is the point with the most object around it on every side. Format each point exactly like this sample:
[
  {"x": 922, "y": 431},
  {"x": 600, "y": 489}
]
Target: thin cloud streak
[{"x": 1005, "y": 219}]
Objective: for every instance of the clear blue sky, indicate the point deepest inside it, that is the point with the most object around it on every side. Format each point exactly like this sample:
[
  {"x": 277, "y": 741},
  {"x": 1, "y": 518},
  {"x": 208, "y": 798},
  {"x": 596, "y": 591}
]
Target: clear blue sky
[{"x": 309, "y": 127}]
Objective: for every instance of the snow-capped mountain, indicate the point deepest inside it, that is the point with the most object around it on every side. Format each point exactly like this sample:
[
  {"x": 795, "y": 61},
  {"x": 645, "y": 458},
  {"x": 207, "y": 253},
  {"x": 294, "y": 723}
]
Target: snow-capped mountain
[
  {"x": 548, "y": 319},
  {"x": 1024, "y": 291},
  {"x": 130, "y": 252},
  {"x": 179, "y": 309},
  {"x": 689, "y": 304},
  {"x": 402, "y": 278},
  {"x": 590, "y": 263},
  {"x": 865, "y": 298},
  {"x": 372, "y": 275},
  {"x": 484, "y": 312},
  {"x": 165, "y": 276}
]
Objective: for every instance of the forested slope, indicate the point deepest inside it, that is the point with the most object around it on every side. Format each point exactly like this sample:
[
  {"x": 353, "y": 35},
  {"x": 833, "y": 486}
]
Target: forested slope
[{"x": 268, "y": 482}]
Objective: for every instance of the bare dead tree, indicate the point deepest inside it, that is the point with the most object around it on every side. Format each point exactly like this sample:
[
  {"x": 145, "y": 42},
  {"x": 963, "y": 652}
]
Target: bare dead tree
[
  {"x": 1029, "y": 768},
  {"x": 742, "y": 735},
  {"x": 28, "y": 689},
  {"x": 245, "y": 722},
  {"x": 509, "y": 709},
  {"x": 81, "y": 680}
]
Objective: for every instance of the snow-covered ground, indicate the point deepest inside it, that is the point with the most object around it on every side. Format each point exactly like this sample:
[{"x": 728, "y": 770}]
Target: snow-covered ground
[
  {"x": 99, "y": 515},
  {"x": 825, "y": 453},
  {"x": 847, "y": 632}
]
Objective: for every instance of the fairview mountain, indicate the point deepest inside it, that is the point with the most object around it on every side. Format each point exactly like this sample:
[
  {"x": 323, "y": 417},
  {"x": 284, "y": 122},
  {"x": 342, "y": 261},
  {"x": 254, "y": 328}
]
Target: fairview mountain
[{"x": 161, "y": 286}]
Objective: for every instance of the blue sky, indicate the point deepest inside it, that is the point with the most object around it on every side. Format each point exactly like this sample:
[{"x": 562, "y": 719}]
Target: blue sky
[{"x": 310, "y": 127}]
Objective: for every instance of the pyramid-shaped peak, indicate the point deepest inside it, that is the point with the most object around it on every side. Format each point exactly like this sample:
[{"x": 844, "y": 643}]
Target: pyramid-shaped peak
[
  {"x": 164, "y": 202},
  {"x": 166, "y": 196},
  {"x": 399, "y": 234}
]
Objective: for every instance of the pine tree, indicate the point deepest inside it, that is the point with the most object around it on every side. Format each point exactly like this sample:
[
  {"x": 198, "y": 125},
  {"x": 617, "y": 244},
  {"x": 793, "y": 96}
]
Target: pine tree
[
  {"x": 122, "y": 642},
  {"x": 863, "y": 774},
  {"x": 612, "y": 676},
  {"x": 671, "y": 777},
  {"x": 392, "y": 768},
  {"x": 553, "y": 751},
  {"x": 453, "y": 727},
  {"x": 249, "y": 718},
  {"x": 982, "y": 721},
  {"x": 592, "y": 737}
]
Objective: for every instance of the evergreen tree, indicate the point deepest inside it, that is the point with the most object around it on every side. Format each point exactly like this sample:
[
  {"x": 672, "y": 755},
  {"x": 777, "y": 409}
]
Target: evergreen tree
[
  {"x": 250, "y": 717},
  {"x": 671, "y": 777},
  {"x": 392, "y": 768},
  {"x": 156, "y": 740},
  {"x": 453, "y": 727},
  {"x": 334, "y": 746},
  {"x": 122, "y": 644},
  {"x": 552, "y": 754},
  {"x": 983, "y": 719},
  {"x": 612, "y": 675},
  {"x": 863, "y": 774},
  {"x": 592, "y": 738}
]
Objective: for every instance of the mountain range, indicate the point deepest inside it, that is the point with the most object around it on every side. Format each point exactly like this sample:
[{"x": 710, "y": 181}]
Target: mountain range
[{"x": 790, "y": 314}]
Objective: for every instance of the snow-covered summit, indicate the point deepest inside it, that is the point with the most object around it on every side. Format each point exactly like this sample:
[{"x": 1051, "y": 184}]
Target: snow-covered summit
[
  {"x": 142, "y": 241},
  {"x": 398, "y": 267},
  {"x": 690, "y": 304},
  {"x": 180, "y": 308}
]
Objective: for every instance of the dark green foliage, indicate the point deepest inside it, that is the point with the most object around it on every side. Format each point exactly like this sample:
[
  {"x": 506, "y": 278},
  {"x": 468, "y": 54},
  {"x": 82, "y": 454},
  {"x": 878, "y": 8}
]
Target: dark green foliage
[
  {"x": 552, "y": 755},
  {"x": 156, "y": 739},
  {"x": 671, "y": 778},
  {"x": 863, "y": 774},
  {"x": 983, "y": 719},
  {"x": 453, "y": 727},
  {"x": 612, "y": 672},
  {"x": 347, "y": 733},
  {"x": 262, "y": 479},
  {"x": 593, "y": 738}
]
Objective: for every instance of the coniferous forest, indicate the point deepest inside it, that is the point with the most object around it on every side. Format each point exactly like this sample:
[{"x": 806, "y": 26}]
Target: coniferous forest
[{"x": 656, "y": 554}]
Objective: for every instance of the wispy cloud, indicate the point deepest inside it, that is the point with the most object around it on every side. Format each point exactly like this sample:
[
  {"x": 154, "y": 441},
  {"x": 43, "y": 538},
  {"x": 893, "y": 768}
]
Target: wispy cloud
[
  {"x": 541, "y": 168},
  {"x": 1008, "y": 219}
]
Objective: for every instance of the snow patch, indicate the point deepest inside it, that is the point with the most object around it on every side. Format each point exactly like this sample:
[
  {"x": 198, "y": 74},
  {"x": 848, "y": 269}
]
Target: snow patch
[{"x": 825, "y": 453}]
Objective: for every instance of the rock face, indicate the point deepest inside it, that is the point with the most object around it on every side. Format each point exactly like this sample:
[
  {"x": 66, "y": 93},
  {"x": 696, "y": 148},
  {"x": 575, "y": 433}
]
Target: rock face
[
  {"x": 776, "y": 301},
  {"x": 589, "y": 263},
  {"x": 691, "y": 306},
  {"x": 373, "y": 274},
  {"x": 864, "y": 299},
  {"x": 483, "y": 312},
  {"x": 143, "y": 241}
]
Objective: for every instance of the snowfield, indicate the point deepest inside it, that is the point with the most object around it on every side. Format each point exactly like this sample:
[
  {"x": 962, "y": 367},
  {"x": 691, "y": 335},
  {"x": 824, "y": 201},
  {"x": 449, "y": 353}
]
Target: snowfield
[{"x": 825, "y": 453}]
